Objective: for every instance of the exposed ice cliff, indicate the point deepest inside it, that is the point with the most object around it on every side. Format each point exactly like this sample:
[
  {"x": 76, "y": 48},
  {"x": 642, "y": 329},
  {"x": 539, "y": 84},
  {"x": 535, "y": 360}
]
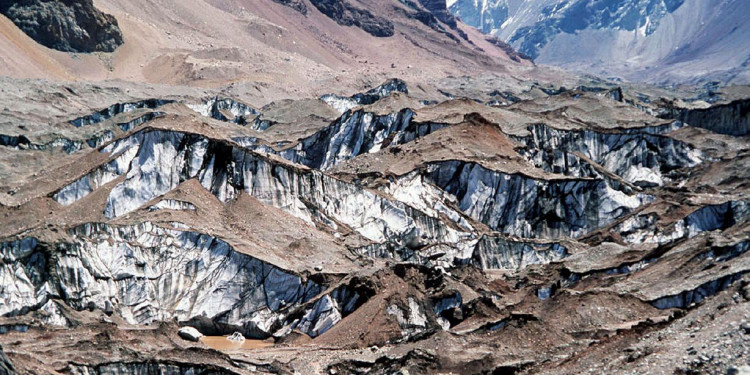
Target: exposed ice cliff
[
  {"x": 154, "y": 162},
  {"x": 148, "y": 273},
  {"x": 140, "y": 120},
  {"x": 642, "y": 228},
  {"x": 501, "y": 253},
  {"x": 356, "y": 133},
  {"x": 116, "y": 109},
  {"x": 342, "y": 104},
  {"x": 730, "y": 118},
  {"x": 226, "y": 109},
  {"x": 527, "y": 207},
  {"x": 324, "y": 313},
  {"x": 689, "y": 297},
  {"x": 21, "y": 142},
  {"x": 172, "y": 204},
  {"x": 642, "y": 156},
  {"x": 146, "y": 368}
]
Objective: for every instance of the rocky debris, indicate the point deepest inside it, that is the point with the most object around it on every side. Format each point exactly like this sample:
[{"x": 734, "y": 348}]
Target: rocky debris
[
  {"x": 346, "y": 14},
  {"x": 436, "y": 21},
  {"x": 190, "y": 334},
  {"x": 414, "y": 362},
  {"x": 70, "y": 25}
]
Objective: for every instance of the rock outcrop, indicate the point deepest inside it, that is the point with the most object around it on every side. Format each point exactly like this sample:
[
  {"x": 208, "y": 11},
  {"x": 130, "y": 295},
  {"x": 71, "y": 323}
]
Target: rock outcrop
[
  {"x": 69, "y": 25},
  {"x": 347, "y": 14},
  {"x": 440, "y": 10}
]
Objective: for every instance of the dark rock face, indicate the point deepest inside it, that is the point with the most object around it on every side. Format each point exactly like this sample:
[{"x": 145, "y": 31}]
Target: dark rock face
[
  {"x": 65, "y": 25},
  {"x": 348, "y": 15},
  {"x": 297, "y": 5}
]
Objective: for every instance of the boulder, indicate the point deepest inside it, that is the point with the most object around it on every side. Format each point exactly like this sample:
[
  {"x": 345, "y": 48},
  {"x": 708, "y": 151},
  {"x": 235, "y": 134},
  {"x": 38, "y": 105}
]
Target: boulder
[{"x": 190, "y": 334}]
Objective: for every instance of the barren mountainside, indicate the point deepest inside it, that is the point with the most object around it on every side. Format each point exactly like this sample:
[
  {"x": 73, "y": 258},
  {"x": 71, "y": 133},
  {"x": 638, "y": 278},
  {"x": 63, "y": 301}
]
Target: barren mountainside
[{"x": 657, "y": 40}]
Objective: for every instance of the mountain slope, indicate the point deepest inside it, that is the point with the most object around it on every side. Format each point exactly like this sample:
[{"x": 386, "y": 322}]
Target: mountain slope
[
  {"x": 214, "y": 42},
  {"x": 647, "y": 40}
]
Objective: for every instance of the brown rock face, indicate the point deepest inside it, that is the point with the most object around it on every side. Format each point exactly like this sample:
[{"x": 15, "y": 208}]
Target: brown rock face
[{"x": 67, "y": 25}]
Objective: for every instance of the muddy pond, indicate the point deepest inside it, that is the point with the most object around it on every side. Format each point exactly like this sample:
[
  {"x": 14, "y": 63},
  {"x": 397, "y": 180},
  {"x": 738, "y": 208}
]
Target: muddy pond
[{"x": 222, "y": 343}]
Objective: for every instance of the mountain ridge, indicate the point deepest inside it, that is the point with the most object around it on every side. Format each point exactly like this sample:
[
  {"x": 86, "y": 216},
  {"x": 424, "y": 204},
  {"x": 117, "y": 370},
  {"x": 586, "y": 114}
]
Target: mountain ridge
[{"x": 680, "y": 41}]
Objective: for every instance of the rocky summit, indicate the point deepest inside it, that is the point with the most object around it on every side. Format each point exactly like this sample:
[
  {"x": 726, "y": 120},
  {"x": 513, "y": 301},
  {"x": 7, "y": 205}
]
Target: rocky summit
[{"x": 360, "y": 187}]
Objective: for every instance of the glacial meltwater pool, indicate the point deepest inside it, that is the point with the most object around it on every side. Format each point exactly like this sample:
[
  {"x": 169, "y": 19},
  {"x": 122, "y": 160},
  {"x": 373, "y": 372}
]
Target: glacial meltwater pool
[{"x": 221, "y": 343}]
